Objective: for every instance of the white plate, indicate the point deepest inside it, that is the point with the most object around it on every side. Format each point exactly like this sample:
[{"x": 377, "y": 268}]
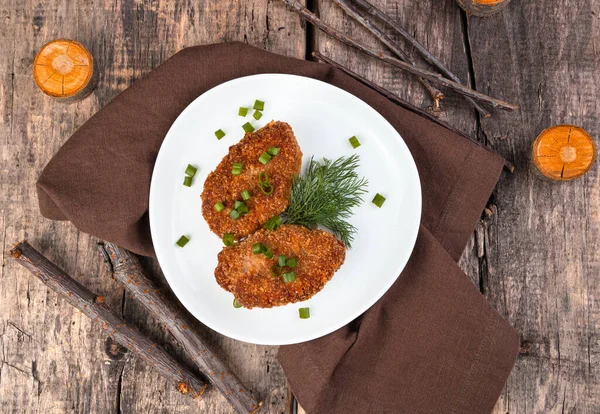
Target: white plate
[{"x": 323, "y": 117}]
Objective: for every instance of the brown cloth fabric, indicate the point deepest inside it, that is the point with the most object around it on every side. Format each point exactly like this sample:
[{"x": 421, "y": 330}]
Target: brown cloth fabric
[{"x": 432, "y": 344}]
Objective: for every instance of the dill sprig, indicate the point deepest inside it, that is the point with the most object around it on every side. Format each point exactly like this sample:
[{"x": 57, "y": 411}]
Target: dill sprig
[{"x": 326, "y": 194}]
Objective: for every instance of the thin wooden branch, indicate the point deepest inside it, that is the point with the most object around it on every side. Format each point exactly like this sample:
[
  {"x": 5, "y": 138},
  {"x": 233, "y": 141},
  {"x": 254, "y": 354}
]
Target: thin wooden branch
[
  {"x": 93, "y": 306},
  {"x": 395, "y": 98},
  {"x": 352, "y": 10},
  {"x": 434, "y": 77},
  {"x": 128, "y": 272}
]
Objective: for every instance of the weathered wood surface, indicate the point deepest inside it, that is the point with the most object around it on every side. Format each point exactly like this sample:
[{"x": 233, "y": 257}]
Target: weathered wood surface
[
  {"x": 537, "y": 258},
  {"x": 52, "y": 358}
]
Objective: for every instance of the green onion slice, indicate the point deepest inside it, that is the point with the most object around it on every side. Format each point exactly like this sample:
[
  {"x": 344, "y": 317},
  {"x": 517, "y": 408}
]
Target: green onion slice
[
  {"x": 266, "y": 188},
  {"x": 238, "y": 204},
  {"x": 304, "y": 313},
  {"x": 242, "y": 111},
  {"x": 378, "y": 200},
  {"x": 268, "y": 253},
  {"x": 354, "y": 142},
  {"x": 264, "y": 158},
  {"x": 263, "y": 177},
  {"x": 228, "y": 239},
  {"x": 257, "y": 248},
  {"x": 191, "y": 170},
  {"x": 259, "y": 105},
  {"x": 236, "y": 168},
  {"x": 219, "y": 206},
  {"x": 248, "y": 127},
  {"x": 187, "y": 181},
  {"x": 273, "y": 151},
  {"x": 273, "y": 223},
  {"x": 234, "y": 214},
  {"x": 275, "y": 271},
  {"x": 182, "y": 241},
  {"x": 236, "y": 304},
  {"x": 219, "y": 133},
  {"x": 257, "y": 115},
  {"x": 281, "y": 260},
  {"x": 243, "y": 209},
  {"x": 289, "y": 277},
  {"x": 246, "y": 195},
  {"x": 291, "y": 262}
]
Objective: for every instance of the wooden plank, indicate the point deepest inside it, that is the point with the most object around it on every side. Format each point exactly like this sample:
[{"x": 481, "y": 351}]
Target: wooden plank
[
  {"x": 52, "y": 358},
  {"x": 543, "y": 246}
]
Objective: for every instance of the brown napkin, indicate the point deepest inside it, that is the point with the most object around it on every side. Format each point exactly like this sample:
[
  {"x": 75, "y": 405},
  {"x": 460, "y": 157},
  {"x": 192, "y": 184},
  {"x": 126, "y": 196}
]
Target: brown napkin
[{"x": 432, "y": 344}]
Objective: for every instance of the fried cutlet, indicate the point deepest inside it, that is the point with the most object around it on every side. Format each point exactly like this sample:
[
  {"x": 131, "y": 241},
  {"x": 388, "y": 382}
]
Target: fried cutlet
[
  {"x": 222, "y": 186},
  {"x": 248, "y": 276}
]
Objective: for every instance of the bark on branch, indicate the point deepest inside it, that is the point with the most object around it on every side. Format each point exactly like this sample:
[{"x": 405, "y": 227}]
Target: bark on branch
[
  {"x": 431, "y": 76},
  {"x": 128, "y": 272},
  {"x": 93, "y": 307},
  {"x": 395, "y": 98}
]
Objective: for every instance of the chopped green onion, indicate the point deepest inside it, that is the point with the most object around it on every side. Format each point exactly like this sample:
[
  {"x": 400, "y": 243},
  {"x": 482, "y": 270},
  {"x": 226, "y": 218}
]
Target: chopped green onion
[
  {"x": 236, "y": 169},
  {"x": 243, "y": 209},
  {"x": 304, "y": 313},
  {"x": 248, "y": 127},
  {"x": 219, "y": 206},
  {"x": 263, "y": 177},
  {"x": 246, "y": 195},
  {"x": 257, "y": 248},
  {"x": 242, "y": 111},
  {"x": 264, "y": 158},
  {"x": 191, "y": 170},
  {"x": 275, "y": 271},
  {"x": 234, "y": 214},
  {"x": 236, "y": 304},
  {"x": 354, "y": 142},
  {"x": 273, "y": 151},
  {"x": 273, "y": 223},
  {"x": 289, "y": 277},
  {"x": 266, "y": 188},
  {"x": 257, "y": 115},
  {"x": 219, "y": 133},
  {"x": 259, "y": 105},
  {"x": 378, "y": 200},
  {"x": 182, "y": 241},
  {"x": 281, "y": 260},
  {"x": 291, "y": 262},
  {"x": 268, "y": 253},
  {"x": 187, "y": 181},
  {"x": 238, "y": 204},
  {"x": 228, "y": 239}
]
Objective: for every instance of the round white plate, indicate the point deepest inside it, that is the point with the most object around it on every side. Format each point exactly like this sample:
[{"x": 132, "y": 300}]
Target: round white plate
[{"x": 323, "y": 117}]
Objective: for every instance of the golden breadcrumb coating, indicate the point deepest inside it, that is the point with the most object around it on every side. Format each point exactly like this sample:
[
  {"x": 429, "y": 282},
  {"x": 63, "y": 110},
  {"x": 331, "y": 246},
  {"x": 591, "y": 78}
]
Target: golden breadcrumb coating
[
  {"x": 222, "y": 186},
  {"x": 248, "y": 276}
]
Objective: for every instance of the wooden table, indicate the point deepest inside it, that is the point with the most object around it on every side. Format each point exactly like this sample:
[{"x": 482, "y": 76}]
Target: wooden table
[{"x": 537, "y": 258}]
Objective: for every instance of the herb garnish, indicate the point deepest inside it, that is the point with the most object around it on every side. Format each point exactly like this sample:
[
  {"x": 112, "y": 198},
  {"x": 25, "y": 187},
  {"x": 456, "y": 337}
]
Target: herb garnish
[{"x": 326, "y": 194}]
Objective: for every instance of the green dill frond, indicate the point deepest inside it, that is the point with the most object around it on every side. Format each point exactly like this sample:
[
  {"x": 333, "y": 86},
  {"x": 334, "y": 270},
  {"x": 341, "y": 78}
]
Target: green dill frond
[{"x": 326, "y": 194}]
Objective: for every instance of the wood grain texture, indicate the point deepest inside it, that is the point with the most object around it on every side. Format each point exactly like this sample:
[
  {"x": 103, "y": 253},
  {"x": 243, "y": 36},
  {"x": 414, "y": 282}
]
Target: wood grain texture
[
  {"x": 543, "y": 247},
  {"x": 52, "y": 358},
  {"x": 536, "y": 253},
  {"x": 536, "y": 257}
]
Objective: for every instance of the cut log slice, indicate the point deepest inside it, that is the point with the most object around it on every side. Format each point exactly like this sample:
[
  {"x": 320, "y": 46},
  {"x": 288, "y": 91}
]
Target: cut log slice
[
  {"x": 63, "y": 69},
  {"x": 563, "y": 152},
  {"x": 483, "y": 8}
]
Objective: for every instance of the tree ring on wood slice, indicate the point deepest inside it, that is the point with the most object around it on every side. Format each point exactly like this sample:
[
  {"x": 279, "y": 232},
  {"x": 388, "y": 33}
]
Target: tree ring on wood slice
[
  {"x": 64, "y": 70},
  {"x": 482, "y": 8},
  {"x": 563, "y": 152}
]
